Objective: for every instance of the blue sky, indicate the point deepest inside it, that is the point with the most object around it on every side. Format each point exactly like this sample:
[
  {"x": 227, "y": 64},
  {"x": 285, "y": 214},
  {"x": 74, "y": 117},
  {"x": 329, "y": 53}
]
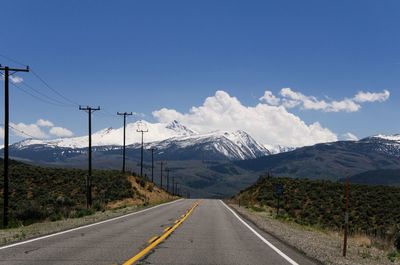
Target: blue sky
[{"x": 142, "y": 56}]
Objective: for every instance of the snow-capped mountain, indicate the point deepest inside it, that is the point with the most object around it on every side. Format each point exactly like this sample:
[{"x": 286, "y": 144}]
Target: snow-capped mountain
[
  {"x": 110, "y": 136},
  {"x": 173, "y": 141},
  {"x": 237, "y": 145}
]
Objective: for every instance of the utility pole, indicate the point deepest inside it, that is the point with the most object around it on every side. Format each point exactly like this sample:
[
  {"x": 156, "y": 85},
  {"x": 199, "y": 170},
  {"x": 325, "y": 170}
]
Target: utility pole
[
  {"x": 152, "y": 164},
  {"x": 7, "y": 74},
  {"x": 176, "y": 189},
  {"x": 161, "y": 175},
  {"x": 168, "y": 170},
  {"x": 173, "y": 186},
  {"x": 89, "y": 110},
  {"x": 346, "y": 218},
  {"x": 141, "y": 156},
  {"x": 123, "y": 152}
]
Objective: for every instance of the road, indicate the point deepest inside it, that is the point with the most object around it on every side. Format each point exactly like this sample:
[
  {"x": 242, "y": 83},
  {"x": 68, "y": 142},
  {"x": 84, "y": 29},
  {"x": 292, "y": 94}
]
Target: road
[{"x": 196, "y": 232}]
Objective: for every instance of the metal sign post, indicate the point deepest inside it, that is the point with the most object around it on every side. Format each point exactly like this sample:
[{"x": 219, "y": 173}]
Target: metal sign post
[{"x": 279, "y": 190}]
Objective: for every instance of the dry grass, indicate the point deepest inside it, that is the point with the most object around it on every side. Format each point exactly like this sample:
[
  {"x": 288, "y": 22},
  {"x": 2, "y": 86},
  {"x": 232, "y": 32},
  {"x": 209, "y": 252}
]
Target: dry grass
[
  {"x": 361, "y": 241},
  {"x": 149, "y": 194}
]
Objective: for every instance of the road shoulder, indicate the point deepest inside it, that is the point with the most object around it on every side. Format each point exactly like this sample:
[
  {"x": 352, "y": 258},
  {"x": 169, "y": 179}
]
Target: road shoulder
[
  {"x": 36, "y": 230},
  {"x": 318, "y": 245}
]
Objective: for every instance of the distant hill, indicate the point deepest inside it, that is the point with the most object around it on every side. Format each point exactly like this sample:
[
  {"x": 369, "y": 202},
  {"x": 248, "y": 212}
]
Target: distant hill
[
  {"x": 387, "y": 177},
  {"x": 43, "y": 193},
  {"x": 331, "y": 161}
]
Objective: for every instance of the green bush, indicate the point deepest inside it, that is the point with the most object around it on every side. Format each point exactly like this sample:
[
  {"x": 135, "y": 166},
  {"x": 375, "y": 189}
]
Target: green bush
[
  {"x": 374, "y": 210},
  {"x": 43, "y": 193}
]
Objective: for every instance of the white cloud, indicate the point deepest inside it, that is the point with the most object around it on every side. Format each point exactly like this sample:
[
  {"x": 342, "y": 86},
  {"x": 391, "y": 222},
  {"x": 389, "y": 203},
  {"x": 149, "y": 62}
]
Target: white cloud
[
  {"x": 349, "y": 137},
  {"x": 139, "y": 114},
  {"x": 1, "y": 133},
  {"x": 44, "y": 123},
  {"x": 291, "y": 99},
  {"x": 16, "y": 79},
  {"x": 267, "y": 124},
  {"x": 28, "y": 130},
  {"x": 42, "y": 129},
  {"x": 61, "y": 132},
  {"x": 270, "y": 99},
  {"x": 372, "y": 97}
]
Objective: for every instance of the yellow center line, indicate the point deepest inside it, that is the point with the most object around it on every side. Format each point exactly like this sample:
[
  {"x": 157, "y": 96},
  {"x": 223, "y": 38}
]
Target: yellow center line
[
  {"x": 167, "y": 228},
  {"x": 151, "y": 240},
  {"x": 161, "y": 238}
]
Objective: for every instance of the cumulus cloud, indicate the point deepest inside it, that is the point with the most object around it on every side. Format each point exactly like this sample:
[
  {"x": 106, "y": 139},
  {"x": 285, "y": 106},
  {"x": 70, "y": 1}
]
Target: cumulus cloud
[
  {"x": 44, "y": 123},
  {"x": 42, "y": 129},
  {"x": 267, "y": 124},
  {"x": 372, "y": 97},
  {"x": 61, "y": 132},
  {"x": 28, "y": 130},
  {"x": 349, "y": 137},
  {"x": 291, "y": 99}
]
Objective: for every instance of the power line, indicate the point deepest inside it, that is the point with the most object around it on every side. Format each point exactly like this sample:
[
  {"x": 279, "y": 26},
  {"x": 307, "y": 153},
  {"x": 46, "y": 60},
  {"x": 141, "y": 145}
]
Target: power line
[
  {"x": 105, "y": 113},
  {"x": 24, "y": 133},
  {"x": 46, "y": 96},
  {"x": 53, "y": 89},
  {"x": 38, "y": 98}
]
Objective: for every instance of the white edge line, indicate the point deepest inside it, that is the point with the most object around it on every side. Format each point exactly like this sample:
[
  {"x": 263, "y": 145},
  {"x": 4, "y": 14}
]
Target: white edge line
[
  {"x": 283, "y": 255},
  {"x": 85, "y": 226}
]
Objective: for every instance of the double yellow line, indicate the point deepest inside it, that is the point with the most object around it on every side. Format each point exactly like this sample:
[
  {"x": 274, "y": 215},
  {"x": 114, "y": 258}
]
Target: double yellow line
[{"x": 155, "y": 241}]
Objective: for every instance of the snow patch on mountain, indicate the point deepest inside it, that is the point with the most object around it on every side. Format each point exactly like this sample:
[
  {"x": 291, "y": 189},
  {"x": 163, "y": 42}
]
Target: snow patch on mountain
[
  {"x": 394, "y": 137},
  {"x": 276, "y": 149}
]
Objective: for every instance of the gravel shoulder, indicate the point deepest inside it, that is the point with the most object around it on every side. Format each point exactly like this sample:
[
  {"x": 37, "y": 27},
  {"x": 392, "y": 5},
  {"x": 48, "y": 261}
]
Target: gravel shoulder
[
  {"x": 12, "y": 235},
  {"x": 324, "y": 246}
]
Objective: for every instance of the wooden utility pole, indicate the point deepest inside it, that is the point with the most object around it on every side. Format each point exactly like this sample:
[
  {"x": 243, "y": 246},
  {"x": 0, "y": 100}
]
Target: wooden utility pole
[
  {"x": 152, "y": 164},
  {"x": 7, "y": 75},
  {"x": 141, "y": 152},
  {"x": 123, "y": 150},
  {"x": 168, "y": 170},
  {"x": 346, "y": 218},
  {"x": 89, "y": 110},
  {"x": 162, "y": 163},
  {"x": 173, "y": 186}
]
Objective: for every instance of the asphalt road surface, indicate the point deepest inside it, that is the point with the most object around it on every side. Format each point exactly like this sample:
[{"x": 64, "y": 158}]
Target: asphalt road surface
[{"x": 210, "y": 233}]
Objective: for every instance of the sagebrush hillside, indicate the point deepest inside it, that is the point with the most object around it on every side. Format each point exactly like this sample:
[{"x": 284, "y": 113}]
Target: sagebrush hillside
[
  {"x": 374, "y": 210},
  {"x": 43, "y": 193}
]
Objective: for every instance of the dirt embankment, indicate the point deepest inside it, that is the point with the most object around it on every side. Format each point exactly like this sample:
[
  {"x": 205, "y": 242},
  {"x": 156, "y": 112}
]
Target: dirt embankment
[{"x": 146, "y": 193}]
